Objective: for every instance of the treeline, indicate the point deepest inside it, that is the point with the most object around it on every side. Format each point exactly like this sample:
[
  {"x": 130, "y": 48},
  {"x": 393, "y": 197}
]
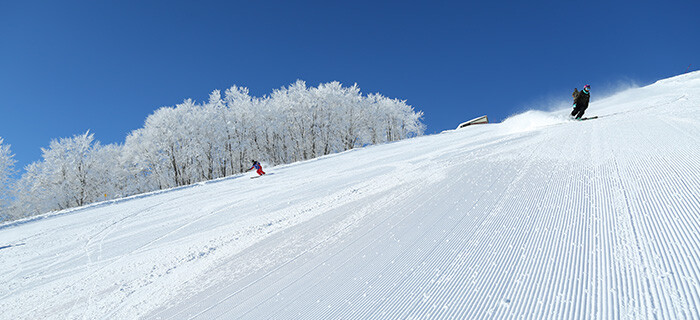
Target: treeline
[{"x": 193, "y": 142}]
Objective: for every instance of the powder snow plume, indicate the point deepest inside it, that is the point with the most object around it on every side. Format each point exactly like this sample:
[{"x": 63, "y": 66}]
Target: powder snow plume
[{"x": 532, "y": 120}]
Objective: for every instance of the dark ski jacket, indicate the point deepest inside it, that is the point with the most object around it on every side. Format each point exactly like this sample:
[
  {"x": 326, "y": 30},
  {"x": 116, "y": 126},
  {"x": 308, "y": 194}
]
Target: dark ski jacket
[
  {"x": 256, "y": 165},
  {"x": 582, "y": 99}
]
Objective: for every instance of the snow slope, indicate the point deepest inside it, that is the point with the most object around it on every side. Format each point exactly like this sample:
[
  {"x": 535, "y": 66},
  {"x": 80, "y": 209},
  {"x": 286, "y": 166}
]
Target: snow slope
[{"x": 536, "y": 217}]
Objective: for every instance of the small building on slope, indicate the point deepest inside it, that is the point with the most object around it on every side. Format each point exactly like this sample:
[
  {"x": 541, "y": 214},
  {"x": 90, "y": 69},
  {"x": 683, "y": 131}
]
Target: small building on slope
[{"x": 480, "y": 120}]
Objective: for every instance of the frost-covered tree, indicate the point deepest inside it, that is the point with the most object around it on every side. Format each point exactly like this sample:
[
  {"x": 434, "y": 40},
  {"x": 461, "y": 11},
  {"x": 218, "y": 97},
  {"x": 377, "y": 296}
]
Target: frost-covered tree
[
  {"x": 193, "y": 142},
  {"x": 153, "y": 147},
  {"x": 7, "y": 163},
  {"x": 109, "y": 174},
  {"x": 69, "y": 175},
  {"x": 31, "y": 196},
  {"x": 240, "y": 121}
]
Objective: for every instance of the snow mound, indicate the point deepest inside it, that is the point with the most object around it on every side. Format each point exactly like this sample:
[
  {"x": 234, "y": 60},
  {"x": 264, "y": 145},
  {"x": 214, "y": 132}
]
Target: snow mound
[{"x": 532, "y": 120}]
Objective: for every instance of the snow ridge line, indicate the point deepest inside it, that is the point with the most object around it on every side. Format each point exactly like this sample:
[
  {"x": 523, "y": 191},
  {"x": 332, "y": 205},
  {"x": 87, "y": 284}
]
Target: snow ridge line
[
  {"x": 474, "y": 306},
  {"x": 387, "y": 270},
  {"x": 59, "y": 213},
  {"x": 392, "y": 270},
  {"x": 272, "y": 271},
  {"x": 93, "y": 273},
  {"x": 296, "y": 216},
  {"x": 670, "y": 257},
  {"x": 650, "y": 207},
  {"x": 374, "y": 310},
  {"x": 350, "y": 258}
]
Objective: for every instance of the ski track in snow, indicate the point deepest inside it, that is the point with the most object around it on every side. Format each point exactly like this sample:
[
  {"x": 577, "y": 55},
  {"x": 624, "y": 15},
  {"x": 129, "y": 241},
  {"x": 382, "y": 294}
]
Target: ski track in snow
[{"x": 537, "y": 217}]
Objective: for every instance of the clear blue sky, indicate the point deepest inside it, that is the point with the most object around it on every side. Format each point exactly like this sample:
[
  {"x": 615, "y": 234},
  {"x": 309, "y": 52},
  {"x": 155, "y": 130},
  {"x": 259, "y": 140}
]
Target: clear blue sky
[{"x": 66, "y": 66}]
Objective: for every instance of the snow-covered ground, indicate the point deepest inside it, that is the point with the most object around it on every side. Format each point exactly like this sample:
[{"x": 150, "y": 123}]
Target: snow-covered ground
[{"x": 536, "y": 217}]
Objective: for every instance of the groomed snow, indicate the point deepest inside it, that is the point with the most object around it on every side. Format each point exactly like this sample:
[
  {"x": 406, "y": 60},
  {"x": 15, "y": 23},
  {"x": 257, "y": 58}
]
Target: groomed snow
[{"x": 536, "y": 217}]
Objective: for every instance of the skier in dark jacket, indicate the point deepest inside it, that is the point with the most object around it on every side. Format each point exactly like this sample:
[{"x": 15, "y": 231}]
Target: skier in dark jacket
[
  {"x": 581, "y": 102},
  {"x": 257, "y": 165}
]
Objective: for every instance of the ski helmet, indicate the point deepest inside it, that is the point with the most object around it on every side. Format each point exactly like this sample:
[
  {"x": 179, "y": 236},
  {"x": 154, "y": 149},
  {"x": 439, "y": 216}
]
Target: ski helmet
[{"x": 587, "y": 87}]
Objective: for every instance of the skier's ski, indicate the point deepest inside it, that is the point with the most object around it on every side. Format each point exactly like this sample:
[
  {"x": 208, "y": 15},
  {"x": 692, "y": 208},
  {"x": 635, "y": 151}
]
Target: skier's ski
[
  {"x": 11, "y": 245},
  {"x": 584, "y": 118},
  {"x": 588, "y": 118}
]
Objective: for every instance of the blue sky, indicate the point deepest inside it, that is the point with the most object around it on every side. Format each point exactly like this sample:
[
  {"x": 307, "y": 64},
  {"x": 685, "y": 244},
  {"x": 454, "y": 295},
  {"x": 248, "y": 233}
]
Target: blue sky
[{"x": 66, "y": 67}]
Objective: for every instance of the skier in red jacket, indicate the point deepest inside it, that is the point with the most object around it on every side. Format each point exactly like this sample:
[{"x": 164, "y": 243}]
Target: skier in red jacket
[{"x": 257, "y": 165}]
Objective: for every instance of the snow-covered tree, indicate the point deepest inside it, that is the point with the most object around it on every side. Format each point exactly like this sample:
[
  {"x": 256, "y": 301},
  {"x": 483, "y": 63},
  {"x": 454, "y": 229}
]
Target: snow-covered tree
[
  {"x": 7, "y": 163},
  {"x": 193, "y": 142},
  {"x": 109, "y": 175},
  {"x": 152, "y": 148},
  {"x": 31, "y": 196},
  {"x": 69, "y": 175},
  {"x": 240, "y": 122}
]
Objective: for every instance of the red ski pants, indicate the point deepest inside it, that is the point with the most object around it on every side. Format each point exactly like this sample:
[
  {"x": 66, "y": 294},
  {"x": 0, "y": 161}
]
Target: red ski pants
[{"x": 260, "y": 172}]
